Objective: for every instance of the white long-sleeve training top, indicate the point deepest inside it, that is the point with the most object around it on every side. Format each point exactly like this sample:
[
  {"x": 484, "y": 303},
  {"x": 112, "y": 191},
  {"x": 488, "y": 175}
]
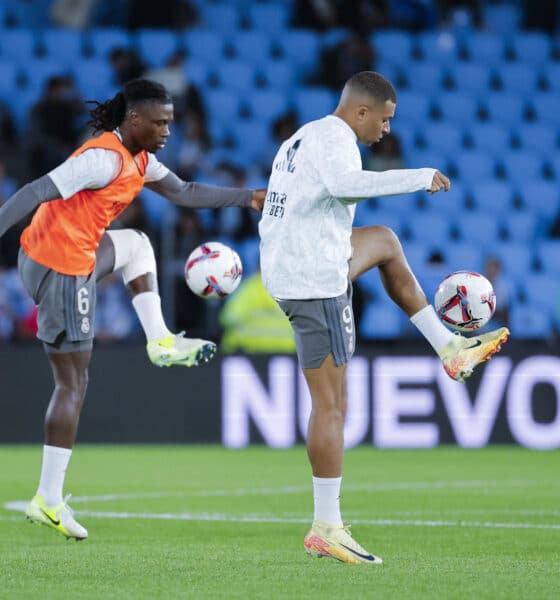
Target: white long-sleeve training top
[{"x": 306, "y": 224}]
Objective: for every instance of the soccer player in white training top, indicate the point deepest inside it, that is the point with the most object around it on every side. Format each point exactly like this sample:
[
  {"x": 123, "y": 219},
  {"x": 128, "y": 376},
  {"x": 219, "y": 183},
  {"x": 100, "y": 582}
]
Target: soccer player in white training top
[{"x": 310, "y": 254}]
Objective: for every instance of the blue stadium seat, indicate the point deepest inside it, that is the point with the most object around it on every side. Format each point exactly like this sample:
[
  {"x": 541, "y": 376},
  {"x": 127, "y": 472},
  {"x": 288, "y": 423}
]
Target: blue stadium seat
[
  {"x": 235, "y": 75},
  {"x": 250, "y": 137},
  {"x": 516, "y": 77},
  {"x": 413, "y": 106},
  {"x": 267, "y": 104},
  {"x": 314, "y": 103},
  {"x": 505, "y": 107},
  {"x": 156, "y": 47},
  {"x": 541, "y": 291},
  {"x": 8, "y": 77},
  {"x": 300, "y": 46},
  {"x": 473, "y": 166},
  {"x": 521, "y": 226},
  {"x": 204, "y": 44},
  {"x": 450, "y": 204},
  {"x": 248, "y": 251},
  {"x": 458, "y": 107},
  {"x": 490, "y": 137},
  {"x": 465, "y": 255},
  {"x": 197, "y": 71},
  {"x": 37, "y": 71},
  {"x": 370, "y": 283},
  {"x": 551, "y": 76},
  {"x": 492, "y": 196},
  {"x": 429, "y": 227},
  {"x": 537, "y": 138},
  {"x": 277, "y": 74},
  {"x": 17, "y": 45},
  {"x": 20, "y": 105},
  {"x": 269, "y": 18},
  {"x": 424, "y": 77},
  {"x": 478, "y": 227},
  {"x": 438, "y": 47},
  {"x": 94, "y": 79},
  {"x": 470, "y": 77},
  {"x": 443, "y": 137},
  {"x": 103, "y": 41},
  {"x": 402, "y": 204},
  {"x": 548, "y": 252},
  {"x": 527, "y": 321},
  {"x": 380, "y": 321},
  {"x": 554, "y": 163},
  {"x": 428, "y": 158},
  {"x": 223, "y": 105},
  {"x": 531, "y": 47},
  {"x": 417, "y": 254},
  {"x": 221, "y": 17},
  {"x": 546, "y": 106},
  {"x": 541, "y": 197},
  {"x": 392, "y": 45},
  {"x": 366, "y": 214},
  {"x": 516, "y": 257},
  {"x": 485, "y": 48},
  {"x": 251, "y": 46},
  {"x": 501, "y": 17},
  {"x": 522, "y": 166},
  {"x": 63, "y": 45},
  {"x": 229, "y": 221}
]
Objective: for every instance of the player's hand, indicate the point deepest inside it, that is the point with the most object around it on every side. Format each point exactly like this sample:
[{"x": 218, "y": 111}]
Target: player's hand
[
  {"x": 257, "y": 200},
  {"x": 439, "y": 182}
]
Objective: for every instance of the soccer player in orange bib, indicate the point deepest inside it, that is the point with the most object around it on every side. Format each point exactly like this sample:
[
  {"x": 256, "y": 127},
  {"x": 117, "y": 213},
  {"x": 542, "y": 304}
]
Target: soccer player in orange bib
[{"x": 67, "y": 248}]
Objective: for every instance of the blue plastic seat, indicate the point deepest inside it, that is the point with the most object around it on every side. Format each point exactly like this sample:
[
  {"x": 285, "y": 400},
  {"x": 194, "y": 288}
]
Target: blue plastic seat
[
  {"x": 541, "y": 291},
  {"x": 235, "y": 75},
  {"x": 438, "y": 47},
  {"x": 250, "y": 137},
  {"x": 63, "y": 45},
  {"x": 314, "y": 103},
  {"x": 380, "y": 321},
  {"x": 521, "y": 226},
  {"x": 156, "y": 47},
  {"x": 450, "y": 204},
  {"x": 530, "y": 321},
  {"x": 474, "y": 166},
  {"x": 103, "y": 41},
  {"x": 93, "y": 77},
  {"x": 531, "y": 47},
  {"x": 465, "y": 256},
  {"x": 443, "y": 137},
  {"x": 470, "y": 77},
  {"x": 248, "y": 251},
  {"x": 204, "y": 44},
  {"x": 478, "y": 227},
  {"x": 251, "y": 46},
  {"x": 548, "y": 252},
  {"x": 505, "y": 107},
  {"x": 518, "y": 77},
  {"x": 501, "y": 17},
  {"x": 537, "y": 138},
  {"x": 219, "y": 17},
  {"x": 551, "y": 75},
  {"x": 267, "y": 104},
  {"x": 370, "y": 283},
  {"x": 490, "y": 137},
  {"x": 541, "y": 198},
  {"x": 492, "y": 196},
  {"x": 269, "y": 18},
  {"x": 392, "y": 45},
  {"x": 277, "y": 74},
  {"x": 554, "y": 163},
  {"x": 428, "y": 227},
  {"x": 197, "y": 71},
  {"x": 371, "y": 215},
  {"x": 401, "y": 204},
  {"x": 424, "y": 77},
  {"x": 413, "y": 106},
  {"x": 301, "y": 47},
  {"x": 516, "y": 257},
  {"x": 223, "y": 105},
  {"x": 20, "y": 105},
  {"x": 546, "y": 106},
  {"x": 428, "y": 158},
  {"x": 522, "y": 166},
  {"x": 38, "y": 71},
  {"x": 8, "y": 77},
  {"x": 17, "y": 45},
  {"x": 485, "y": 48},
  {"x": 458, "y": 107}
]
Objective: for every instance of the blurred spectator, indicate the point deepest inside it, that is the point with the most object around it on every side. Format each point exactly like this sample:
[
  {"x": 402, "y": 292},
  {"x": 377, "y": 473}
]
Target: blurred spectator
[
  {"x": 166, "y": 14},
  {"x": 341, "y": 61},
  {"x": 253, "y": 322},
  {"x": 8, "y": 133},
  {"x": 541, "y": 14},
  {"x": 362, "y": 16},
  {"x": 493, "y": 272},
  {"x": 73, "y": 14},
  {"x": 193, "y": 148},
  {"x": 18, "y": 314},
  {"x": 126, "y": 65},
  {"x": 115, "y": 318},
  {"x": 55, "y": 124},
  {"x": 282, "y": 128},
  {"x": 450, "y": 11},
  {"x": 9, "y": 242},
  {"x": 385, "y": 155}
]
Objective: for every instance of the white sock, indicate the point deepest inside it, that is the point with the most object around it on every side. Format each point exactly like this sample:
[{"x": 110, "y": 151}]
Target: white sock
[
  {"x": 326, "y": 498},
  {"x": 53, "y": 471},
  {"x": 148, "y": 308},
  {"x": 432, "y": 328}
]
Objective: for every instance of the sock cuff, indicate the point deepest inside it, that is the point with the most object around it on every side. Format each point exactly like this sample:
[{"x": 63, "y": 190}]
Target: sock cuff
[
  {"x": 421, "y": 313},
  {"x": 57, "y": 450},
  {"x": 327, "y": 480}
]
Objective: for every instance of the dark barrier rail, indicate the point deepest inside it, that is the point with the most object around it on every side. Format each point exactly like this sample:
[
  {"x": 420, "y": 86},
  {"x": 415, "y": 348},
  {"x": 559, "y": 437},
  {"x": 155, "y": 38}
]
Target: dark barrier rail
[{"x": 398, "y": 397}]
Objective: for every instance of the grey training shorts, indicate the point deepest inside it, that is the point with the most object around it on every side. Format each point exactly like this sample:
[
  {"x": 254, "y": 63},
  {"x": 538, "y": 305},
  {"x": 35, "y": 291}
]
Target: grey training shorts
[
  {"x": 66, "y": 306},
  {"x": 322, "y": 327}
]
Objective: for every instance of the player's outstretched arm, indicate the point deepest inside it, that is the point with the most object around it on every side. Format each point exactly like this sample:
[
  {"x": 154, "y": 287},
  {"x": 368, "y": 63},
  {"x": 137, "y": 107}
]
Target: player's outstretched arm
[
  {"x": 25, "y": 200},
  {"x": 201, "y": 195}
]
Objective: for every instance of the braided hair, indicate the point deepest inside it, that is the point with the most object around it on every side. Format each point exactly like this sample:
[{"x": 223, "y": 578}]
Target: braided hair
[{"x": 106, "y": 116}]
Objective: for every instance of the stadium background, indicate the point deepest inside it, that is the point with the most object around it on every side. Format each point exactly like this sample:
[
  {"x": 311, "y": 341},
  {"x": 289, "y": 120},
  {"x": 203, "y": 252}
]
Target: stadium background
[{"x": 478, "y": 95}]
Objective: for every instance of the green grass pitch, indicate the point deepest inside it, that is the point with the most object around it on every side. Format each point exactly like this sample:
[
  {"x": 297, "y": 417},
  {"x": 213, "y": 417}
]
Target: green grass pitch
[{"x": 205, "y": 522}]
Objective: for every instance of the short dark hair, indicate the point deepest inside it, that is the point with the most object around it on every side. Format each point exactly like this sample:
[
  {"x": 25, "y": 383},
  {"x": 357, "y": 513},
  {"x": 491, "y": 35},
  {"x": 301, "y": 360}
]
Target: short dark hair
[
  {"x": 106, "y": 116},
  {"x": 373, "y": 84}
]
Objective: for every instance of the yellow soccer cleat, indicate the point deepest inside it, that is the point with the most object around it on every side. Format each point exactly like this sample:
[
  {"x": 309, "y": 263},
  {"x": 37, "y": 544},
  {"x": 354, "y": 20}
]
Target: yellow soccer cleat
[
  {"x": 180, "y": 350},
  {"x": 59, "y": 517},
  {"x": 463, "y": 354},
  {"x": 335, "y": 541}
]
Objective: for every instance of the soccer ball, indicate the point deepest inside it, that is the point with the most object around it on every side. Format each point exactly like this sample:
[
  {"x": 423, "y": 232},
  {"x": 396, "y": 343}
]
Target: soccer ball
[
  {"x": 465, "y": 300},
  {"x": 213, "y": 270}
]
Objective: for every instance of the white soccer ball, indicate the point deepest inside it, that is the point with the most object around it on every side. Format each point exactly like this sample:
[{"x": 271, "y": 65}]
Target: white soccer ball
[
  {"x": 213, "y": 270},
  {"x": 465, "y": 300}
]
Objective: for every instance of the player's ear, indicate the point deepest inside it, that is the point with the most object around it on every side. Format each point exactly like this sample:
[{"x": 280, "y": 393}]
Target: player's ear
[{"x": 362, "y": 112}]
